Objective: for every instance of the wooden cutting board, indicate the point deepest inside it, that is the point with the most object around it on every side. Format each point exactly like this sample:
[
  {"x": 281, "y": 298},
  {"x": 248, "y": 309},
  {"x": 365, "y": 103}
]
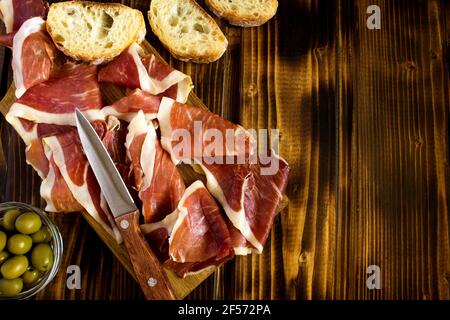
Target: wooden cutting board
[{"x": 183, "y": 286}]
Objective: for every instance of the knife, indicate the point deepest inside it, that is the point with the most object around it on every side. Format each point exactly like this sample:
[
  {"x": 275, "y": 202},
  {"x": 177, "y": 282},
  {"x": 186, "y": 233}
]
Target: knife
[{"x": 148, "y": 270}]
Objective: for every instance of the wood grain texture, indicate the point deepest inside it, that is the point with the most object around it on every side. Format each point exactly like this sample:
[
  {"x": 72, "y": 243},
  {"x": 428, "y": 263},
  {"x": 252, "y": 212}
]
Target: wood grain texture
[
  {"x": 394, "y": 159},
  {"x": 287, "y": 82},
  {"x": 364, "y": 123}
]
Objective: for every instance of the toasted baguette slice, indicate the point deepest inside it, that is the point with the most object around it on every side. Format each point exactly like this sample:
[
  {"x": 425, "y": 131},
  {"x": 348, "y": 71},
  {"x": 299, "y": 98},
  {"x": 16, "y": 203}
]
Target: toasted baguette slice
[
  {"x": 94, "y": 32},
  {"x": 187, "y": 30},
  {"x": 244, "y": 13}
]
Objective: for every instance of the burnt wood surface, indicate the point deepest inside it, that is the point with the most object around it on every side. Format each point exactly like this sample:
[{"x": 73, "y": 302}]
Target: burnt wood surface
[{"x": 364, "y": 124}]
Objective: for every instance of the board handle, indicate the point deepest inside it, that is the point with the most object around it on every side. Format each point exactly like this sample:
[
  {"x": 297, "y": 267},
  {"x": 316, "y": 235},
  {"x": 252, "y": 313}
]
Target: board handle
[{"x": 147, "y": 268}]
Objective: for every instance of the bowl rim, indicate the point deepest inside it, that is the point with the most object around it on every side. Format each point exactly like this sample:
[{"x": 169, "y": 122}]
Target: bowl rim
[{"x": 57, "y": 246}]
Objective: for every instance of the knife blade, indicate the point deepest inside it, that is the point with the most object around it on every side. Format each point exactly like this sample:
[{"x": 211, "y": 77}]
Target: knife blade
[
  {"x": 109, "y": 179},
  {"x": 148, "y": 270}
]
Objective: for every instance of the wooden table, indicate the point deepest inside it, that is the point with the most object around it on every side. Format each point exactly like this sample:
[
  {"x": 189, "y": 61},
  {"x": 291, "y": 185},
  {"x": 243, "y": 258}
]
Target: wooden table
[{"x": 364, "y": 121}]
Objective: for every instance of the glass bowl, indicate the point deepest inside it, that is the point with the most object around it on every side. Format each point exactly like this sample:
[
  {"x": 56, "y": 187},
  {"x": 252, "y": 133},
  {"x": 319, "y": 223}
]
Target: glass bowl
[{"x": 56, "y": 244}]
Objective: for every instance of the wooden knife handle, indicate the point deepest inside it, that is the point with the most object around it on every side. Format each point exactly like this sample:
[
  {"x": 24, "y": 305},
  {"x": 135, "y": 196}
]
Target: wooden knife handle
[{"x": 149, "y": 272}]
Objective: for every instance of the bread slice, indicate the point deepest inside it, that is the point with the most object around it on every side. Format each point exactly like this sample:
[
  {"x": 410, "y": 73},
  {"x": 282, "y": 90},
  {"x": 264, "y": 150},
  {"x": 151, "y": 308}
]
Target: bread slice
[
  {"x": 187, "y": 30},
  {"x": 244, "y": 13},
  {"x": 94, "y": 32}
]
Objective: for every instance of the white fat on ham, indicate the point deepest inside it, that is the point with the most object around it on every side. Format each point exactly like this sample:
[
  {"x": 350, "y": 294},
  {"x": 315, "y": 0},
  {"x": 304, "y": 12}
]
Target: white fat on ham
[
  {"x": 128, "y": 117},
  {"x": 167, "y": 223},
  {"x": 47, "y": 186},
  {"x": 80, "y": 192},
  {"x": 31, "y": 139},
  {"x": 7, "y": 14},
  {"x": 155, "y": 86},
  {"x": 19, "y": 110},
  {"x": 14, "y": 121},
  {"x": 137, "y": 127},
  {"x": 165, "y": 109},
  {"x": 145, "y": 82},
  {"x": 196, "y": 229},
  {"x": 175, "y": 77},
  {"x": 29, "y": 27},
  {"x": 55, "y": 191},
  {"x": 236, "y": 217},
  {"x": 237, "y": 187},
  {"x": 182, "y": 210}
]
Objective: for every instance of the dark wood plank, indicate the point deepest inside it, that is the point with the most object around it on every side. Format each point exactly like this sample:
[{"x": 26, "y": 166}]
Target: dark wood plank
[
  {"x": 390, "y": 94},
  {"x": 394, "y": 152},
  {"x": 288, "y": 83}
]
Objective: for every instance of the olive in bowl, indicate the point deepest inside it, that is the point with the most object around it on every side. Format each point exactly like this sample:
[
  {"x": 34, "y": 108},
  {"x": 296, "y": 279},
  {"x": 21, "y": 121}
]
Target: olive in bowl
[{"x": 30, "y": 250}]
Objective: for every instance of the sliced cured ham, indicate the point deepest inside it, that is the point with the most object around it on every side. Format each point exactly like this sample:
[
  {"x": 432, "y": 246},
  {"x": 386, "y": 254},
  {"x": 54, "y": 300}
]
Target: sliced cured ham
[
  {"x": 249, "y": 198},
  {"x": 189, "y": 132},
  {"x": 31, "y": 134},
  {"x": 6, "y": 40},
  {"x": 56, "y": 193},
  {"x": 149, "y": 74},
  {"x": 54, "y": 190},
  {"x": 190, "y": 268},
  {"x": 241, "y": 246},
  {"x": 156, "y": 178},
  {"x": 128, "y": 107},
  {"x": 33, "y": 55},
  {"x": 69, "y": 157},
  {"x": 248, "y": 195},
  {"x": 114, "y": 142},
  {"x": 15, "y": 12},
  {"x": 199, "y": 236},
  {"x": 54, "y": 101},
  {"x": 158, "y": 233},
  {"x": 200, "y": 233}
]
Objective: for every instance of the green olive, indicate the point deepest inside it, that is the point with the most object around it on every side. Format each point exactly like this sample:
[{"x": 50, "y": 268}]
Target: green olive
[
  {"x": 10, "y": 287},
  {"x": 10, "y": 218},
  {"x": 3, "y": 256},
  {"x": 42, "y": 257},
  {"x": 43, "y": 235},
  {"x": 28, "y": 223},
  {"x": 14, "y": 267},
  {"x": 2, "y": 240},
  {"x": 30, "y": 277},
  {"x": 19, "y": 244}
]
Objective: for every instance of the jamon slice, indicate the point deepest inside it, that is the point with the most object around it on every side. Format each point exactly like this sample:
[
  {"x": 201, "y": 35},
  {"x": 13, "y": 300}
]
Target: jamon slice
[
  {"x": 200, "y": 233},
  {"x": 15, "y": 12},
  {"x": 69, "y": 157},
  {"x": 241, "y": 246},
  {"x": 156, "y": 178},
  {"x": 248, "y": 191},
  {"x": 158, "y": 233},
  {"x": 114, "y": 142},
  {"x": 151, "y": 75},
  {"x": 34, "y": 151},
  {"x": 188, "y": 132},
  {"x": 128, "y": 107},
  {"x": 54, "y": 189},
  {"x": 47, "y": 108},
  {"x": 33, "y": 55},
  {"x": 54, "y": 101},
  {"x": 6, "y": 40},
  {"x": 249, "y": 197},
  {"x": 56, "y": 193},
  {"x": 190, "y": 268},
  {"x": 199, "y": 237}
]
